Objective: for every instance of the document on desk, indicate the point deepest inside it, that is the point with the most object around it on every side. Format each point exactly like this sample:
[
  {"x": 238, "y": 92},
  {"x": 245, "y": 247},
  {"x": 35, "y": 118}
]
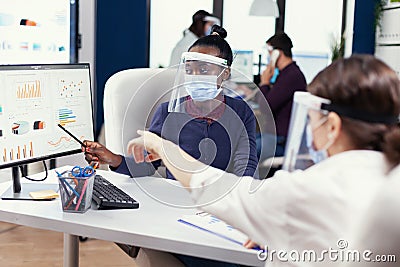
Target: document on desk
[{"x": 213, "y": 225}]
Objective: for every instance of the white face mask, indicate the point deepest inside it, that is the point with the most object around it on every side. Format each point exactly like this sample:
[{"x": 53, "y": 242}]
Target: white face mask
[
  {"x": 202, "y": 87},
  {"x": 316, "y": 155}
]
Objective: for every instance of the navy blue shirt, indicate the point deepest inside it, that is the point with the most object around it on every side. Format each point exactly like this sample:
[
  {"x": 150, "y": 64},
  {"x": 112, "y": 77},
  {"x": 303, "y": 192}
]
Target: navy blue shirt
[{"x": 227, "y": 143}]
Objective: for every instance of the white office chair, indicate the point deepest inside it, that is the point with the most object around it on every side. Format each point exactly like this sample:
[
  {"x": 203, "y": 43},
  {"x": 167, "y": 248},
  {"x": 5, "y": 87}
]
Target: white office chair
[{"x": 130, "y": 98}]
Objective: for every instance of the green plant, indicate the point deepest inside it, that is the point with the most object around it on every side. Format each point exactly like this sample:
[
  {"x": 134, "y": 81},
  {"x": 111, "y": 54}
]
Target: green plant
[
  {"x": 337, "y": 48},
  {"x": 378, "y": 12}
]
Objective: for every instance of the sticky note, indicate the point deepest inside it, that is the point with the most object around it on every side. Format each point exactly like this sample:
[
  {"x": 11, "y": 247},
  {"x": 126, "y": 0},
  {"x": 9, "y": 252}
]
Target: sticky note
[{"x": 44, "y": 194}]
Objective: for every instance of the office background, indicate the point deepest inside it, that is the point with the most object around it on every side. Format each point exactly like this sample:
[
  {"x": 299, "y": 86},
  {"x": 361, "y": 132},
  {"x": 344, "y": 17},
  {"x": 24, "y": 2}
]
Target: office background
[{"x": 116, "y": 34}]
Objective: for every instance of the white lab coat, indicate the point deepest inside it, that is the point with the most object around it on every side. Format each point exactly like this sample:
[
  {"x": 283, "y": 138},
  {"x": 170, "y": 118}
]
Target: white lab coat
[
  {"x": 182, "y": 46},
  {"x": 380, "y": 231},
  {"x": 303, "y": 210}
]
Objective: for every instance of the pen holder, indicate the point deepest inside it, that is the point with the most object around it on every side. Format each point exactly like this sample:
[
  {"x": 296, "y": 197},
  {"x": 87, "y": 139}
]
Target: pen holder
[{"x": 76, "y": 192}]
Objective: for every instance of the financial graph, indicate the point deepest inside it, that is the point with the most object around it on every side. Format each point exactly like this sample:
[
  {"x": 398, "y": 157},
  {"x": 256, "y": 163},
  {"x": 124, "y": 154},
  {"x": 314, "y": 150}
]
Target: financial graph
[
  {"x": 18, "y": 152},
  {"x": 70, "y": 89},
  {"x": 20, "y": 127},
  {"x": 31, "y": 108},
  {"x": 29, "y": 89},
  {"x": 66, "y": 116},
  {"x": 63, "y": 142}
]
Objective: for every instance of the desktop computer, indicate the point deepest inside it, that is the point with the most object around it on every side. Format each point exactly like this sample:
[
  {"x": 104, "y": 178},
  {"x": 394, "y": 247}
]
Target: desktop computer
[
  {"x": 35, "y": 99},
  {"x": 46, "y": 112}
]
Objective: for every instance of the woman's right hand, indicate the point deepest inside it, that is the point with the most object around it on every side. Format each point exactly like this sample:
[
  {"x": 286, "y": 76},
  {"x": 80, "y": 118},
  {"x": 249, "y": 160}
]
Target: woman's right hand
[{"x": 97, "y": 153}]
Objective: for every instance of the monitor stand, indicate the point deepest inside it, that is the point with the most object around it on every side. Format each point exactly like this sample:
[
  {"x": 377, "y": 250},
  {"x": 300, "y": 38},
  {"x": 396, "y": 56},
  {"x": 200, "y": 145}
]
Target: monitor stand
[{"x": 18, "y": 192}]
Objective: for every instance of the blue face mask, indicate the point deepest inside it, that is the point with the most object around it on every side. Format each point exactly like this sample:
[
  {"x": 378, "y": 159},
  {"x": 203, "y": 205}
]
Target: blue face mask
[
  {"x": 273, "y": 78},
  {"x": 208, "y": 31},
  {"x": 315, "y": 155},
  {"x": 202, "y": 87}
]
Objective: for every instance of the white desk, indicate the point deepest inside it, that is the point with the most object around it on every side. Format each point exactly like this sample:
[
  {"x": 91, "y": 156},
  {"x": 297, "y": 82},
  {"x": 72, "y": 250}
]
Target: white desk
[{"x": 154, "y": 225}]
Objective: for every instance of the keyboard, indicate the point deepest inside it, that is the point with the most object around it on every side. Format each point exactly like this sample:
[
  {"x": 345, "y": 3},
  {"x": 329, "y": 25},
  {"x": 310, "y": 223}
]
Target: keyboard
[{"x": 108, "y": 196}]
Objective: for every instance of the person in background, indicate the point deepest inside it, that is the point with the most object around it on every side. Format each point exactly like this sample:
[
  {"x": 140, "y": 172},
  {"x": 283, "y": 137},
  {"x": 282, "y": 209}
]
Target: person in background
[
  {"x": 354, "y": 128},
  {"x": 202, "y": 21},
  {"x": 217, "y": 129},
  {"x": 280, "y": 94}
]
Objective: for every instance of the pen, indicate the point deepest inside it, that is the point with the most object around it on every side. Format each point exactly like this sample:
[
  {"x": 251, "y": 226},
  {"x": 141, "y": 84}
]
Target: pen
[
  {"x": 62, "y": 182},
  {"x": 76, "y": 195},
  {"x": 70, "y": 134},
  {"x": 75, "y": 191}
]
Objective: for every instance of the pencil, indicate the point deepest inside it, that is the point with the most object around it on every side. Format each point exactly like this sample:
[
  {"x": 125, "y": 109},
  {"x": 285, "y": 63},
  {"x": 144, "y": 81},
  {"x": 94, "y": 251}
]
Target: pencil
[{"x": 82, "y": 194}]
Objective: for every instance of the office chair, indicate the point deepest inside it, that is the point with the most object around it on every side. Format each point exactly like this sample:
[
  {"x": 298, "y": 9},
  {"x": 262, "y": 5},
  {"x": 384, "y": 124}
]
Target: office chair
[
  {"x": 130, "y": 99},
  {"x": 133, "y": 94}
]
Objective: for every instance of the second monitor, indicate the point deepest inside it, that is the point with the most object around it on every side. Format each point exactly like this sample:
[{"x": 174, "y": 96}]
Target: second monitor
[{"x": 243, "y": 63}]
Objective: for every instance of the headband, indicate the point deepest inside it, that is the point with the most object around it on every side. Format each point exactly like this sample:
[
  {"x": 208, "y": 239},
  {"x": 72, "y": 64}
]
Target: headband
[{"x": 360, "y": 115}]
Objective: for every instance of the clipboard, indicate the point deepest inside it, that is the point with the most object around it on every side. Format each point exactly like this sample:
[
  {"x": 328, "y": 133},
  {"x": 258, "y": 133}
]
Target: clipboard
[{"x": 211, "y": 224}]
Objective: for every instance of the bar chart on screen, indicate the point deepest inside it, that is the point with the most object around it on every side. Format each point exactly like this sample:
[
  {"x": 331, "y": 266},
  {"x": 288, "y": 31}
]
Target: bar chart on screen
[
  {"x": 21, "y": 151},
  {"x": 66, "y": 116},
  {"x": 28, "y": 89}
]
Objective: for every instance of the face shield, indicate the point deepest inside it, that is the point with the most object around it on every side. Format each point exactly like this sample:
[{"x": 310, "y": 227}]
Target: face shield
[
  {"x": 198, "y": 83},
  {"x": 202, "y": 86},
  {"x": 306, "y": 118}
]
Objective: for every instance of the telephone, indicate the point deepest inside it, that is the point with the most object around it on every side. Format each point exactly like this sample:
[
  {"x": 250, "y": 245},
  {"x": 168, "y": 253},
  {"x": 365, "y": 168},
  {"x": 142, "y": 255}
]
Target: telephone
[{"x": 274, "y": 57}]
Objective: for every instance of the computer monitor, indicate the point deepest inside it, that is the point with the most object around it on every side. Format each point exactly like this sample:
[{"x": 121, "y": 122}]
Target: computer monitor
[
  {"x": 38, "y": 31},
  {"x": 243, "y": 62},
  {"x": 35, "y": 99}
]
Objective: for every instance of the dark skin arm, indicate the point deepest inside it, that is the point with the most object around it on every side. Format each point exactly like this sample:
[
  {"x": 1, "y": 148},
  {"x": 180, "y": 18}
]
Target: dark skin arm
[{"x": 97, "y": 153}]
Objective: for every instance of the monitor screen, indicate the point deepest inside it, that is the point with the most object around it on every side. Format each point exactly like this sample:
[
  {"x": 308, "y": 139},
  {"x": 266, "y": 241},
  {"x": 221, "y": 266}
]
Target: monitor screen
[
  {"x": 40, "y": 31},
  {"x": 34, "y": 100},
  {"x": 243, "y": 62}
]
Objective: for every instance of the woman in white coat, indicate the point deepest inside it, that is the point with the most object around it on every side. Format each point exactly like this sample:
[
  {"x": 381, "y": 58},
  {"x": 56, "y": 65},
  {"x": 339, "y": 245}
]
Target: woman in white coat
[
  {"x": 379, "y": 234},
  {"x": 319, "y": 208}
]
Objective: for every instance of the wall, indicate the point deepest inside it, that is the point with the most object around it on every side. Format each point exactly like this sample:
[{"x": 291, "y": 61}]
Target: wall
[
  {"x": 87, "y": 26},
  {"x": 388, "y": 37},
  {"x": 121, "y": 42},
  {"x": 349, "y": 26}
]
